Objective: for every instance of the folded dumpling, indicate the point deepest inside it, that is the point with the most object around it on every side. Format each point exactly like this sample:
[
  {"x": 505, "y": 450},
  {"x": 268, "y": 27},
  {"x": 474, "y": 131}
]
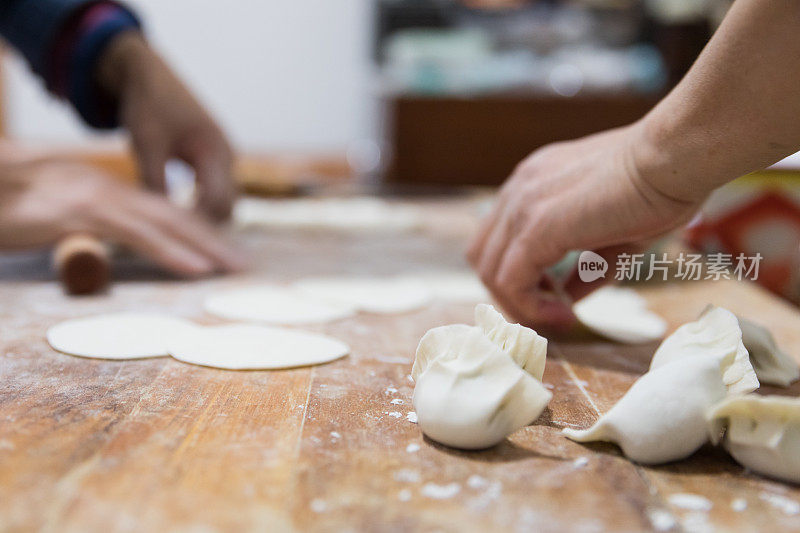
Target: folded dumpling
[
  {"x": 761, "y": 432},
  {"x": 715, "y": 334},
  {"x": 771, "y": 364},
  {"x": 524, "y": 345},
  {"x": 662, "y": 417},
  {"x": 471, "y": 392},
  {"x": 442, "y": 342}
]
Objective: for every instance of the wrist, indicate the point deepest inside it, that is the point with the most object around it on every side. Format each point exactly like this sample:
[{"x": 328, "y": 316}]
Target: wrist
[
  {"x": 122, "y": 62},
  {"x": 672, "y": 161}
]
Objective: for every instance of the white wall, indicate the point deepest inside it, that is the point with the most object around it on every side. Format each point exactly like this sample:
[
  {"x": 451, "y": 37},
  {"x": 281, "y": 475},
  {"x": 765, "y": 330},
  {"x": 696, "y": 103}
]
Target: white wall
[{"x": 278, "y": 74}]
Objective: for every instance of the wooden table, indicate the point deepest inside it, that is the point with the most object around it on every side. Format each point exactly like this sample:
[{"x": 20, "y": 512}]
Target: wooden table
[{"x": 157, "y": 445}]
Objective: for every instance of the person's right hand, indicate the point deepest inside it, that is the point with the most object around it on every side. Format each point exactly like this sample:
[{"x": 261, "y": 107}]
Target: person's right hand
[
  {"x": 590, "y": 194},
  {"x": 43, "y": 200}
]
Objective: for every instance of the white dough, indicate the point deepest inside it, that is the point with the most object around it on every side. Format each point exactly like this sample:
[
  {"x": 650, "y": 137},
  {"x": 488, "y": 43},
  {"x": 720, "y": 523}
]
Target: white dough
[
  {"x": 250, "y": 347},
  {"x": 439, "y": 342},
  {"x": 374, "y": 295},
  {"x": 761, "y": 432},
  {"x": 527, "y": 348},
  {"x": 662, "y": 417},
  {"x": 116, "y": 335},
  {"x": 620, "y": 314},
  {"x": 771, "y": 364},
  {"x": 274, "y": 305},
  {"x": 471, "y": 392},
  {"x": 715, "y": 334},
  {"x": 349, "y": 214},
  {"x": 462, "y": 287}
]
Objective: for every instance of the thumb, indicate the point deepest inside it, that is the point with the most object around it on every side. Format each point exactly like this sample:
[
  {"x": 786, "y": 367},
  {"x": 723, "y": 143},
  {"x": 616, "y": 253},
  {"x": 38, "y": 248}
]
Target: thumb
[
  {"x": 151, "y": 161},
  {"x": 215, "y": 186}
]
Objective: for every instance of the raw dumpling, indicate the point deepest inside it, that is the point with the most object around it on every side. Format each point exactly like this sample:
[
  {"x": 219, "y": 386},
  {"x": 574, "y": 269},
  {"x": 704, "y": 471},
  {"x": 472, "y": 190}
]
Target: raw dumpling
[
  {"x": 250, "y": 347},
  {"x": 125, "y": 335},
  {"x": 620, "y": 314},
  {"x": 770, "y": 363},
  {"x": 761, "y": 432},
  {"x": 662, "y": 417},
  {"x": 526, "y": 347},
  {"x": 715, "y": 334},
  {"x": 470, "y": 392},
  {"x": 442, "y": 342}
]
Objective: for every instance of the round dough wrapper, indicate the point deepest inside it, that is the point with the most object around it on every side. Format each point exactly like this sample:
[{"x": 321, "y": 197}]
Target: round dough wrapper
[
  {"x": 250, "y": 347},
  {"x": 620, "y": 314},
  {"x": 374, "y": 295},
  {"x": 274, "y": 305},
  {"x": 460, "y": 287},
  {"x": 353, "y": 214},
  {"x": 116, "y": 335}
]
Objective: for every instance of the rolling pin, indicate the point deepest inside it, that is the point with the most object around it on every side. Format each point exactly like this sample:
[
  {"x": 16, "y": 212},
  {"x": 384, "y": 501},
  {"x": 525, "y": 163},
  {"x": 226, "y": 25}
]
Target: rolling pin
[{"x": 83, "y": 264}]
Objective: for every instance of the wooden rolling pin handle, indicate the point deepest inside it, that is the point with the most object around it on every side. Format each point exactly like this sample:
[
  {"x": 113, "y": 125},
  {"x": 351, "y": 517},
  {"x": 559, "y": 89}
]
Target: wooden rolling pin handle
[{"x": 83, "y": 264}]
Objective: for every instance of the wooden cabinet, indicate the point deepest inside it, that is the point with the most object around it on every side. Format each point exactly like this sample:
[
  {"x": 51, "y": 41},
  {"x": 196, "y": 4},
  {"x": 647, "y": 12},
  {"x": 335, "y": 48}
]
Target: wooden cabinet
[{"x": 478, "y": 140}]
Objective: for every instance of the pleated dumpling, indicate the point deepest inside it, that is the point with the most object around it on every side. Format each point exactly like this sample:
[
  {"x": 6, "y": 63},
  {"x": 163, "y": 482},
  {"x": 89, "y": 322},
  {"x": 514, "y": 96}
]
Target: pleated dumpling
[
  {"x": 715, "y": 334},
  {"x": 761, "y": 432},
  {"x": 471, "y": 392},
  {"x": 524, "y": 345},
  {"x": 771, "y": 364},
  {"x": 442, "y": 342},
  {"x": 662, "y": 417}
]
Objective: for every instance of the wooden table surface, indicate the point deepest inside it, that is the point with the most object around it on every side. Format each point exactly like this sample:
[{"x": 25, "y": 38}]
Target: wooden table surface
[{"x": 157, "y": 445}]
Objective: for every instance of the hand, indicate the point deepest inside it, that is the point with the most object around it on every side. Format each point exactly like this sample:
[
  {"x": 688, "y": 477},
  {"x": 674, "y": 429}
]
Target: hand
[
  {"x": 43, "y": 200},
  {"x": 166, "y": 121},
  {"x": 589, "y": 194}
]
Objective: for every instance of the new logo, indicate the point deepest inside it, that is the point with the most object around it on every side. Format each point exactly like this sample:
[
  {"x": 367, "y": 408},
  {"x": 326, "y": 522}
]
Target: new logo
[{"x": 591, "y": 266}]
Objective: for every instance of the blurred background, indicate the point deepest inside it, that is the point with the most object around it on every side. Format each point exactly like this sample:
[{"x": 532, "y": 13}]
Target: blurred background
[
  {"x": 412, "y": 92},
  {"x": 436, "y": 91}
]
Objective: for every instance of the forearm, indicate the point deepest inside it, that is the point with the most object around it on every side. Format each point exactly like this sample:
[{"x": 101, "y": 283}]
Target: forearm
[
  {"x": 736, "y": 111},
  {"x": 63, "y": 40},
  {"x": 124, "y": 57}
]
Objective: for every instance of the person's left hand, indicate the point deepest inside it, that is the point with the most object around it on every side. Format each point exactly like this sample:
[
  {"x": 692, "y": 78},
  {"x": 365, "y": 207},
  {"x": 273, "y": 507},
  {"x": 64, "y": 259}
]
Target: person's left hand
[{"x": 165, "y": 121}]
